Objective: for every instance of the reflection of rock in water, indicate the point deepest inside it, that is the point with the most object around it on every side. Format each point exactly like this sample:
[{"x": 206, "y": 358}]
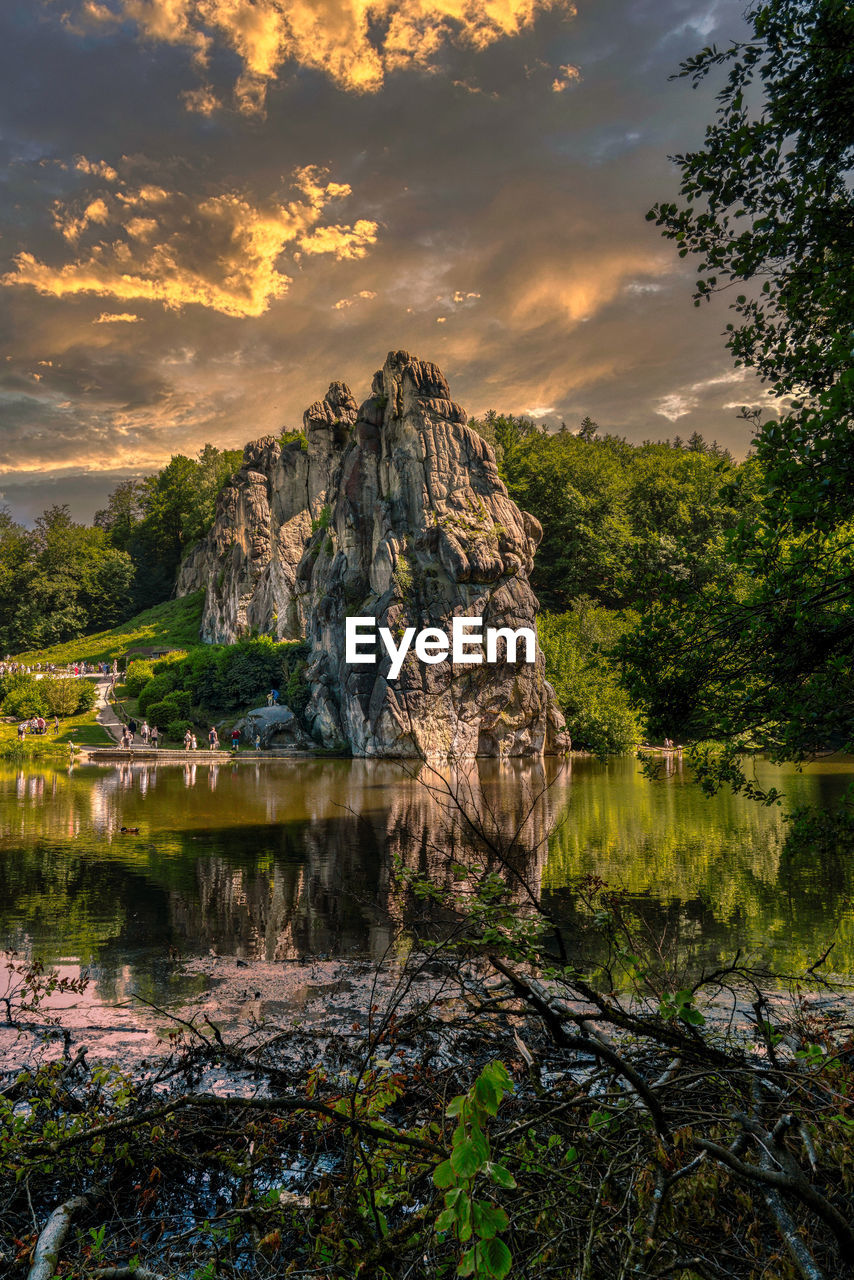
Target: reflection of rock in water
[{"x": 326, "y": 885}]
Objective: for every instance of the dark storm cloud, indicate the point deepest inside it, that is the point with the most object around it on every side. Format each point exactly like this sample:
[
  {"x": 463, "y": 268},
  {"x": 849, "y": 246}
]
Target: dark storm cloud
[{"x": 202, "y": 225}]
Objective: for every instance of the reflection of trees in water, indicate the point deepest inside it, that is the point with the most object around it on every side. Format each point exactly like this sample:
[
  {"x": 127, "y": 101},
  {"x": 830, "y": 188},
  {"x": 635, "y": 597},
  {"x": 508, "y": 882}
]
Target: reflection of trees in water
[
  {"x": 255, "y": 861},
  {"x": 329, "y": 889},
  {"x": 718, "y": 874}
]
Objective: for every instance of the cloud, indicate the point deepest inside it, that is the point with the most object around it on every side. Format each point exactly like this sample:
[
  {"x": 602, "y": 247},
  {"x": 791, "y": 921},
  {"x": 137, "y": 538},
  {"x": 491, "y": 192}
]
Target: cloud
[
  {"x": 566, "y": 77},
  {"x": 202, "y": 100},
  {"x": 116, "y": 317},
  {"x": 343, "y": 303},
  {"x": 221, "y": 252},
  {"x": 676, "y": 406},
  {"x": 353, "y": 42}
]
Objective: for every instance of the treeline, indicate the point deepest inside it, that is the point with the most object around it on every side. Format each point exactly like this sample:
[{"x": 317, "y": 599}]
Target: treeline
[
  {"x": 623, "y": 525},
  {"x": 61, "y": 580}
]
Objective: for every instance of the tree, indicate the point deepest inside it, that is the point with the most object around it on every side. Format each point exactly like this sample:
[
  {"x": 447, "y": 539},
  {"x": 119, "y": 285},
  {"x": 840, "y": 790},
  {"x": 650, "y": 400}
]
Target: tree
[
  {"x": 766, "y": 658},
  {"x": 70, "y": 580},
  {"x": 769, "y": 205}
]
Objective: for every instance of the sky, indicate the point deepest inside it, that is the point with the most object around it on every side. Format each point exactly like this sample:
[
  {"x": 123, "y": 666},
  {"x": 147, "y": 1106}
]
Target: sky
[{"x": 211, "y": 209}]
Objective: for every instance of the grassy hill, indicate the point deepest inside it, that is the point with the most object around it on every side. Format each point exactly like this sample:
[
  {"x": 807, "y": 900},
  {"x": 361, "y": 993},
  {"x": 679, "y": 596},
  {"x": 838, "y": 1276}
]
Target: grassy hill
[{"x": 174, "y": 624}]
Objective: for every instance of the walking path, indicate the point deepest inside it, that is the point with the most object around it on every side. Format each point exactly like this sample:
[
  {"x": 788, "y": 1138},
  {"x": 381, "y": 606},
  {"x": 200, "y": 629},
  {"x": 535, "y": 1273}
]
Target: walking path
[{"x": 106, "y": 712}]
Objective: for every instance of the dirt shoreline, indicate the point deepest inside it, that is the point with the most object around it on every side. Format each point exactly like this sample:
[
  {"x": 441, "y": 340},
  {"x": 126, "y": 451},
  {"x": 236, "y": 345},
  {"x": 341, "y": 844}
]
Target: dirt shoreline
[{"x": 238, "y": 998}]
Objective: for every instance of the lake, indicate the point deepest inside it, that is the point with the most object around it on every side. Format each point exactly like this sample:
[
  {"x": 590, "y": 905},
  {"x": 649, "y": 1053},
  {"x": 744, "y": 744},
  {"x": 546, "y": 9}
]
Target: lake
[{"x": 293, "y": 858}]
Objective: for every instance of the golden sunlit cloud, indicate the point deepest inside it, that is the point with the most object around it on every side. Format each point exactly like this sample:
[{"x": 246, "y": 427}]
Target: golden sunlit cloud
[
  {"x": 355, "y": 42},
  {"x": 221, "y": 252},
  {"x": 343, "y": 303},
  {"x": 116, "y": 317},
  {"x": 565, "y": 78}
]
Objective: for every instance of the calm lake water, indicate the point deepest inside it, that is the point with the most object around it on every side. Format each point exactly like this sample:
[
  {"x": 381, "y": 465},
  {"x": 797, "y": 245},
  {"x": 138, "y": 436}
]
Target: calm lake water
[{"x": 293, "y": 858}]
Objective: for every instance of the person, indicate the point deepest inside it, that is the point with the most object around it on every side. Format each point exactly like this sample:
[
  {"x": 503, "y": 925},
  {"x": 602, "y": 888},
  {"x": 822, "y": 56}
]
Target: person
[
  {"x": 274, "y": 697},
  {"x": 144, "y": 732},
  {"x": 213, "y": 738},
  {"x": 194, "y": 745},
  {"x": 257, "y": 740},
  {"x": 235, "y": 738},
  {"x": 132, "y": 725},
  {"x": 154, "y": 734},
  {"x": 56, "y": 724},
  {"x": 188, "y": 738},
  {"x": 22, "y": 730},
  {"x": 270, "y": 698},
  {"x": 41, "y": 726}
]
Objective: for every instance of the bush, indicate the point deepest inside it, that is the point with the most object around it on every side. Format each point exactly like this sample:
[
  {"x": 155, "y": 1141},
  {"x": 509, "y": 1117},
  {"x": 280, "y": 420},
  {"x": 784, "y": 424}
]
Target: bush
[
  {"x": 168, "y": 660},
  {"x": 175, "y": 706},
  {"x": 22, "y": 696},
  {"x": 61, "y": 694},
  {"x": 156, "y": 689},
  {"x": 86, "y": 695},
  {"x": 137, "y": 676},
  {"x": 176, "y": 729}
]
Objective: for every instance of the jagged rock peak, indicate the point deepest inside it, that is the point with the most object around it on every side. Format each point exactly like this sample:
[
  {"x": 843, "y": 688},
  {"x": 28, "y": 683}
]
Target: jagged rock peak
[{"x": 394, "y": 511}]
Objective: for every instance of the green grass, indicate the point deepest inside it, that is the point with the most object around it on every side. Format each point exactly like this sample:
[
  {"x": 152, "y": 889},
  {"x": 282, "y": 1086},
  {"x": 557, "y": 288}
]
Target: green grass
[
  {"x": 83, "y": 730},
  {"x": 173, "y": 625}
]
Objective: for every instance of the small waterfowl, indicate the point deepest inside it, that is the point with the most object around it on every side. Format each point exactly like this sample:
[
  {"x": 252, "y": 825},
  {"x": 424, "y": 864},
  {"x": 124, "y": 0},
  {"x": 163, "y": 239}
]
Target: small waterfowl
[{"x": 128, "y": 831}]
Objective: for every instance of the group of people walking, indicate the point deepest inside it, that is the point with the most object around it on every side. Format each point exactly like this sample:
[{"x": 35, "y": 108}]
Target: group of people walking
[{"x": 150, "y": 735}]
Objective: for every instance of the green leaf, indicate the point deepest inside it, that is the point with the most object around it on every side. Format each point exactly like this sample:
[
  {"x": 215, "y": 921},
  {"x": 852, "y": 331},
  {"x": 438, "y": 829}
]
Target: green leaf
[
  {"x": 446, "y": 1220},
  {"x": 500, "y": 1176},
  {"x": 494, "y": 1258},
  {"x": 466, "y": 1267},
  {"x": 465, "y": 1160},
  {"x": 443, "y": 1175},
  {"x": 488, "y": 1219}
]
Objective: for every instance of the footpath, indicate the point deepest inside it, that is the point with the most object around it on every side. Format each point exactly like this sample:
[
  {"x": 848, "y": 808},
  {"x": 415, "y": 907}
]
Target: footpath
[{"x": 105, "y": 712}]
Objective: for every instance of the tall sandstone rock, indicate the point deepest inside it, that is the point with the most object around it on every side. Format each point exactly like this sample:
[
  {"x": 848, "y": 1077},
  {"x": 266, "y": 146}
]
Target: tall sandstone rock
[{"x": 394, "y": 510}]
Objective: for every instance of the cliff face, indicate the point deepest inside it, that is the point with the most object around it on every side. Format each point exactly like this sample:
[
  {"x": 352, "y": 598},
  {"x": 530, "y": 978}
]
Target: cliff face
[{"x": 395, "y": 511}]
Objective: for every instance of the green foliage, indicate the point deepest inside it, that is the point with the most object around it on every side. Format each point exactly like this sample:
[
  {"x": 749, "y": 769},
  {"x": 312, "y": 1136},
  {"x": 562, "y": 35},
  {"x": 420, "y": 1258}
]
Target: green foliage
[
  {"x": 155, "y": 689},
  {"x": 139, "y": 672},
  {"x": 764, "y": 657},
  {"x": 58, "y": 581},
  {"x": 175, "y": 623},
  {"x": 324, "y": 519},
  {"x": 158, "y": 519},
  {"x": 293, "y": 436},
  {"x": 619, "y": 520},
  {"x": 175, "y": 729},
  {"x": 576, "y": 646},
  {"x": 474, "y": 1221},
  {"x": 61, "y": 695},
  {"x": 175, "y": 706},
  {"x": 21, "y": 696},
  {"x": 222, "y": 678}
]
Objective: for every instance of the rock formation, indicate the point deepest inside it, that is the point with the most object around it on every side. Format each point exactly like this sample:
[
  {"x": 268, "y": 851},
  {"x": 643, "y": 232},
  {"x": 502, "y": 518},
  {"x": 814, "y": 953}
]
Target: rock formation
[{"x": 394, "y": 510}]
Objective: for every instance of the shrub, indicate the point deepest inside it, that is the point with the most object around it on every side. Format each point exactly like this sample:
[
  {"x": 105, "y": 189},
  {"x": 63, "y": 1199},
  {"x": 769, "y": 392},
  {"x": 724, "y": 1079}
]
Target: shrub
[
  {"x": 61, "y": 694},
  {"x": 86, "y": 695},
  {"x": 156, "y": 688},
  {"x": 175, "y": 729},
  {"x": 138, "y": 673},
  {"x": 168, "y": 660},
  {"x": 21, "y": 696},
  {"x": 175, "y": 706}
]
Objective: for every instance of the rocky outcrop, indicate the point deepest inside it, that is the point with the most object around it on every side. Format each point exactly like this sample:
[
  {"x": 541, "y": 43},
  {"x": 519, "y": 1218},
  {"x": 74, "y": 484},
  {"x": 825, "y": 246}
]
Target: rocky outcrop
[
  {"x": 394, "y": 511},
  {"x": 272, "y": 727}
]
